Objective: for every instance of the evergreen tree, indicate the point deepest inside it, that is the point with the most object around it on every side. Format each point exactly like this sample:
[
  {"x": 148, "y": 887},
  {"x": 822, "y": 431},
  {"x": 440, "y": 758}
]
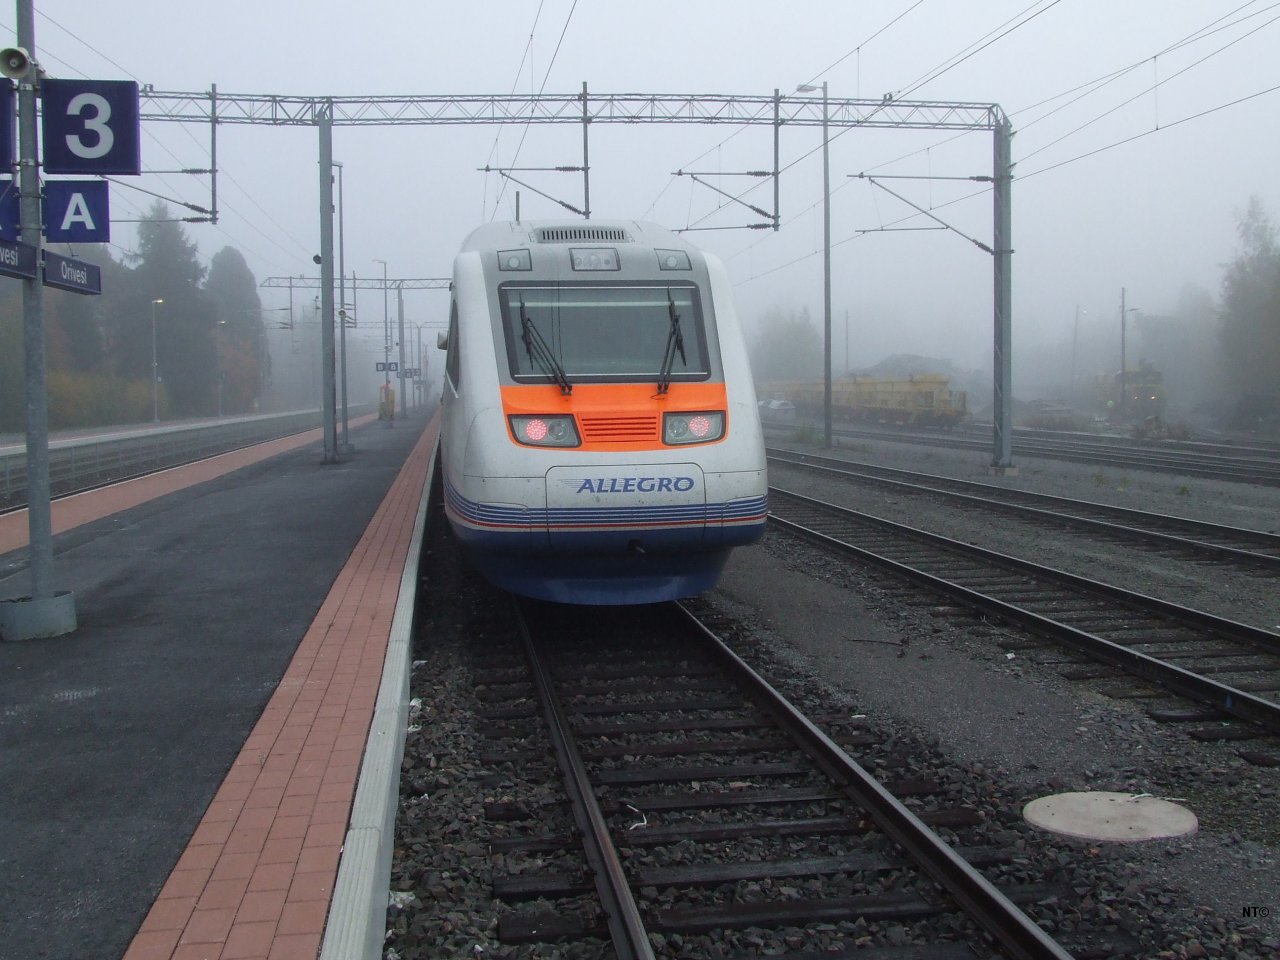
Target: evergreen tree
[
  {"x": 788, "y": 347},
  {"x": 1251, "y": 321},
  {"x": 168, "y": 269},
  {"x": 241, "y": 339}
]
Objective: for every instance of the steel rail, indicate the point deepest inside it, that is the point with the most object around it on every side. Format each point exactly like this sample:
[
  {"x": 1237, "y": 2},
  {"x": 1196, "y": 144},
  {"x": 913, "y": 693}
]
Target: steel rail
[
  {"x": 1236, "y": 702},
  {"x": 116, "y": 457},
  {"x": 630, "y": 938},
  {"x": 1263, "y": 471},
  {"x": 1019, "y": 502},
  {"x": 983, "y": 901}
]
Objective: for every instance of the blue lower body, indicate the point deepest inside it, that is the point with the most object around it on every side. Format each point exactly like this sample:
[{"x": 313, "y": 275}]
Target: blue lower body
[
  {"x": 604, "y": 556},
  {"x": 601, "y": 579}
]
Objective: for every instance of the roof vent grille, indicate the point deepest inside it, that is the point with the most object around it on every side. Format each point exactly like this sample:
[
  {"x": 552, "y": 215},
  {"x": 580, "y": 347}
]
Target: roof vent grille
[{"x": 581, "y": 234}]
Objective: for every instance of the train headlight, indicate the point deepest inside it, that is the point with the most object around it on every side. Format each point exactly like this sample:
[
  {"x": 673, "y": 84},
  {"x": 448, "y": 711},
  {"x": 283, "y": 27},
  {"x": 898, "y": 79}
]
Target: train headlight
[
  {"x": 548, "y": 430},
  {"x": 700, "y": 427}
]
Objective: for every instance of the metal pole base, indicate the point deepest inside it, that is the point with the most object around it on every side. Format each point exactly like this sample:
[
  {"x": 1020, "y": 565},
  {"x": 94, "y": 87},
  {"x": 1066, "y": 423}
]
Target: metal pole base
[
  {"x": 27, "y": 619},
  {"x": 1003, "y": 470}
]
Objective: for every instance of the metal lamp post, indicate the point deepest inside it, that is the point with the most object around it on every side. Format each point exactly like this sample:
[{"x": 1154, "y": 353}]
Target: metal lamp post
[
  {"x": 1124, "y": 371},
  {"x": 155, "y": 367},
  {"x": 826, "y": 263},
  {"x": 421, "y": 397},
  {"x": 217, "y": 351}
]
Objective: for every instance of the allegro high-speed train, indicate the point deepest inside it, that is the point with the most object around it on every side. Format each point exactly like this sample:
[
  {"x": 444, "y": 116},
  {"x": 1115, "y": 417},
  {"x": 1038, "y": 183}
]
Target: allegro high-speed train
[{"x": 600, "y": 441}]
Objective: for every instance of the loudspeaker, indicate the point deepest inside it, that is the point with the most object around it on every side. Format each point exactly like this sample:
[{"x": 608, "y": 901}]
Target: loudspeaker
[{"x": 15, "y": 63}]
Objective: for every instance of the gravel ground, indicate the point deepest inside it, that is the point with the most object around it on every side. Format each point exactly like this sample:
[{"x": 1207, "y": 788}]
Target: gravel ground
[
  {"x": 944, "y": 675},
  {"x": 933, "y": 679}
]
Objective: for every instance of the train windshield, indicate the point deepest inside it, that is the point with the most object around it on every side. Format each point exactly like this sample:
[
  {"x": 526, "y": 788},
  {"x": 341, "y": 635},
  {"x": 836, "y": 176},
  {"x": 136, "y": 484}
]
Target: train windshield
[{"x": 603, "y": 334}]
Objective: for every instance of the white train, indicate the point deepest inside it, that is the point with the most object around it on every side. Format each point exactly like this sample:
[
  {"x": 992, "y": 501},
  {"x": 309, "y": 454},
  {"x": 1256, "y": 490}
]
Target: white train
[{"x": 600, "y": 442}]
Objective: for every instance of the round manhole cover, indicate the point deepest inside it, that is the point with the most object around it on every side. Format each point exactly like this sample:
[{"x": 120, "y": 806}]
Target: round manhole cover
[{"x": 1116, "y": 817}]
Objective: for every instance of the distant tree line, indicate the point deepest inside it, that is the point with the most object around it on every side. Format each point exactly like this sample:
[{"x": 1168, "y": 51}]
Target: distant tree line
[
  {"x": 210, "y": 343},
  {"x": 1250, "y": 332},
  {"x": 1219, "y": 359}
]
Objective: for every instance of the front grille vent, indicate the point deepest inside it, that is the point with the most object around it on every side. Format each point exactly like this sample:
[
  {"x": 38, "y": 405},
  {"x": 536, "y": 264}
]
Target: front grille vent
[
  {"x": 619, "y": 429},
  {"x": 580, "y": 234}
]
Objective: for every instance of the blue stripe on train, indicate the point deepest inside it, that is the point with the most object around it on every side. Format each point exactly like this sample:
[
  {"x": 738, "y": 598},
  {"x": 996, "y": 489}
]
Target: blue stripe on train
[{"x": 520, "y": 518}]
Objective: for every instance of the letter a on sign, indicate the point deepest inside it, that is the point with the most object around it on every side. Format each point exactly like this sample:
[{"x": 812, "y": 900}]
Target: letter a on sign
[{"x": 76, "y": 211}]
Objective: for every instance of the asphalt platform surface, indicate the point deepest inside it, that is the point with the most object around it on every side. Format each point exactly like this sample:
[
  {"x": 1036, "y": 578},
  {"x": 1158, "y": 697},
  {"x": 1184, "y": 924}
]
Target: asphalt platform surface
[{"x": 113, "y": 739}]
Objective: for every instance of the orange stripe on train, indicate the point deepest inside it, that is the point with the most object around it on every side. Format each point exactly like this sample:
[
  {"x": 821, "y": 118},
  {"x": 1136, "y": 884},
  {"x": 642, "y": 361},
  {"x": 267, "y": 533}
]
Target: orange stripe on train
[{"x": 616, "y": 416}]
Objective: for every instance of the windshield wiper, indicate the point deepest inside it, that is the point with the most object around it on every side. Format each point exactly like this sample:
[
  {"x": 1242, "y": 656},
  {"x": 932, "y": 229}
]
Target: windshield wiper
[
  {"x": 537, "y": 349},
  {"x": 675, "y": 341}
]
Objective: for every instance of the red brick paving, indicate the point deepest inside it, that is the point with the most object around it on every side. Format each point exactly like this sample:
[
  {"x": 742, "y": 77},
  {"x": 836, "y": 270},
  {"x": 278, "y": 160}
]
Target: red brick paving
[{"x": 256, "y": 880}]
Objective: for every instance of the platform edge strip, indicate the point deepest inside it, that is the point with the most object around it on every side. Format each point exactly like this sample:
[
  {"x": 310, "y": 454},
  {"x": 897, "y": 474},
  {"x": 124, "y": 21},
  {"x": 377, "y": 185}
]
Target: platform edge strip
[{"x": 356, "y": 926}]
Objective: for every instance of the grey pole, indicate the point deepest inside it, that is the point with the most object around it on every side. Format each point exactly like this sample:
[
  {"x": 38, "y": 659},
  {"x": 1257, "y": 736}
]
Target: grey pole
[
  {"x": 45, "y": 613},
  {"x": 1002, "y": 241},
  {"x": 826, "y": 275},
  {"x": 826, "y": 261},
  {"x": 342, "y": 309},
  {"x": 325, "y": 123},
  {"x": 403, "y": 380},
  {"x": 586, "y": 162},
  {"x": 386, "y": 344},
  {"x": 777, "y": 128},
  {"x": 1124, "y": 393}
]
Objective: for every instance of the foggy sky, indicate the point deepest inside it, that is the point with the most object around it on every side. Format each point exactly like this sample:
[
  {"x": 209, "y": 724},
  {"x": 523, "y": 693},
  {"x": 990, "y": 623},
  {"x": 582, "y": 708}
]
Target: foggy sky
[{"x": 1151, "y": 215}]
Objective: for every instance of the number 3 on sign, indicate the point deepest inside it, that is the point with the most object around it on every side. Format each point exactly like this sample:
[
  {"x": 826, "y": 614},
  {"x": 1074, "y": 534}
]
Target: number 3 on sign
[
  {"x": 96, "y": 123},
  {"x": 91, "y": 126}
]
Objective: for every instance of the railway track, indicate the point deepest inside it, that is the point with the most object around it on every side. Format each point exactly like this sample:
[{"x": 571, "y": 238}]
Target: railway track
[
  {"x": 79, "y": 464},
  {"x": 1251, "y": 548},
  {"x": 707, "y": 809},
  {"x": 1232, "y": 668},
  {"x": 1256, "y": 466}
]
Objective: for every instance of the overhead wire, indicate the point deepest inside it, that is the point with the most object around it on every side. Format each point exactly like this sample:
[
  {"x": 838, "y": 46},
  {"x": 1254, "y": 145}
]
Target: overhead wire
[
  {"x": 742, "y": 129},
  {"x": 1097, "y": 83},
  {"x": 1213, "y": 27},
  {"x": 545, "y": 77},
  {"x": 163, "y": 146},
  {"x": 858, "y": 49},
  {"x": 528, "y": 49},
  {"x": 975, "y": 48},
  {"x": 1022, "y": 177},
  {"x": 928, "y": 76},
  {"x": 1154, "y": 86},
  {"x": 1147, "y": 133}
]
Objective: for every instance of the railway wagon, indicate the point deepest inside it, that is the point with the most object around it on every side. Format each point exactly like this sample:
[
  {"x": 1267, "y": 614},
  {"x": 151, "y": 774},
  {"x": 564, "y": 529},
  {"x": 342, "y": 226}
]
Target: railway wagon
[
  {"x": 600, "y": 440},
  {"x": 1141, "y": 395},
  {"x": 922, "y": 400}
]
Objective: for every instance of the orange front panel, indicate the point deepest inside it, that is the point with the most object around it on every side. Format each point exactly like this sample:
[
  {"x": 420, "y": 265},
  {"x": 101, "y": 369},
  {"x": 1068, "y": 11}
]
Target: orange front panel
[{"x": 616, "y": 416}]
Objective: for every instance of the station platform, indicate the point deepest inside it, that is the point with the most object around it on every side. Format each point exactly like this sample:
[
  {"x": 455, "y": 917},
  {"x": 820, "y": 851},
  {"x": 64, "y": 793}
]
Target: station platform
[{"x": 181, "y": 771}]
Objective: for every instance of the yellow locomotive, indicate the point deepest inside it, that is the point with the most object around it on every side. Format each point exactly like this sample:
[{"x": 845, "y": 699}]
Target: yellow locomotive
[{"x": 920, "y": 400}]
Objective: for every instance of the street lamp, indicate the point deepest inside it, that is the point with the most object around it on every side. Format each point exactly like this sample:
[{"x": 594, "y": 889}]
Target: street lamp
[
  {"x": 826, "y": 264},
  {"x": 217, "y": 350},
  {"x": 155, "y": 367},
  {"x": 1124, "y": 384},
  {"x": 420, "y": 382}
]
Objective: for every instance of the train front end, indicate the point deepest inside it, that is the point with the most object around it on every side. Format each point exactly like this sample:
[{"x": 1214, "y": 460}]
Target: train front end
[{"x": 602, "y": 443}]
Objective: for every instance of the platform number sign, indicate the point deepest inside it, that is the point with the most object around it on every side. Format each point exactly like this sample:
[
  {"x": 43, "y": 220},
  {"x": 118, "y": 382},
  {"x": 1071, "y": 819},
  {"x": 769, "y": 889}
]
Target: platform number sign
[
  {"x": 76, "y": 211},
  {"x": 91, "y": 126}
]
